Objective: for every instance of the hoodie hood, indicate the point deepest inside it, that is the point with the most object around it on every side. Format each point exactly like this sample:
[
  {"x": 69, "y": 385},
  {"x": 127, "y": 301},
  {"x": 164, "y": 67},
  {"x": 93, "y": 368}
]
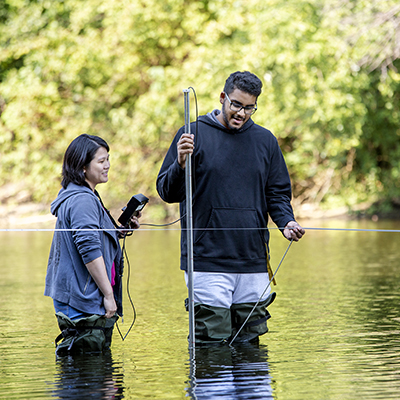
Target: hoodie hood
[
  {"x": 64, "y": 194},
  {"x": 210, "y": 119}
]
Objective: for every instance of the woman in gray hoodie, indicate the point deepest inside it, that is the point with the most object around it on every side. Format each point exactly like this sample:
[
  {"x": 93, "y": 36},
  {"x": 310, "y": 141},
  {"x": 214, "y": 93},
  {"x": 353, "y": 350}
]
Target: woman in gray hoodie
[{"x": 84, "y": 273}]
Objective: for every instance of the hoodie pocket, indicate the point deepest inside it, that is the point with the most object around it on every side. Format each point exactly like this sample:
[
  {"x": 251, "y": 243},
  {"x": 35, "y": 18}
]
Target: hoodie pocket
[{"x": 231, "y": 233}]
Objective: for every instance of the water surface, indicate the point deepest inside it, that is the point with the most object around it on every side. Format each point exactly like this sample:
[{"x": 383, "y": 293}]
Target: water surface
[{"x": 334, "y": 331}]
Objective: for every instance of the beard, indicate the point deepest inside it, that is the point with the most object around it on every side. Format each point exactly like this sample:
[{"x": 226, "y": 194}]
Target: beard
[{"x": 226, "y": 119}]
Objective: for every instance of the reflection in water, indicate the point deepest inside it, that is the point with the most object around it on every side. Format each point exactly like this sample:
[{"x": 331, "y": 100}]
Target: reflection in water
[
  {"x": 225, "y": 372},
  {"x": 88, "y": 376},
  {"x": 334, "y": 332}
]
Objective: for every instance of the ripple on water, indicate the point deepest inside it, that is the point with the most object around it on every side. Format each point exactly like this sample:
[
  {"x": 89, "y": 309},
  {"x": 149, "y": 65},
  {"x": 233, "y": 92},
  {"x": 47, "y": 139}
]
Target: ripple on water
[{"x": 334, "y": 332}]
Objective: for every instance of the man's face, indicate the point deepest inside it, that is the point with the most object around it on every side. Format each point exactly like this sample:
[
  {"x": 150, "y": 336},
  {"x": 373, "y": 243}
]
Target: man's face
[{"x": 234, "y": 120}]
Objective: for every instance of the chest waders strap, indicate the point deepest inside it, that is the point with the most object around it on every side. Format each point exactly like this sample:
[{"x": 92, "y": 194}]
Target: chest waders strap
[
  {"x": 269, "y": 269},
  {"x": 258, "y": 322}
]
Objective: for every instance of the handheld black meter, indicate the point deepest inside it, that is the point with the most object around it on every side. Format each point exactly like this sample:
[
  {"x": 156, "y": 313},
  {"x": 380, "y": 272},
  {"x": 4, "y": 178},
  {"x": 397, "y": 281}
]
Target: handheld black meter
[{"x": 135, "y": 204}]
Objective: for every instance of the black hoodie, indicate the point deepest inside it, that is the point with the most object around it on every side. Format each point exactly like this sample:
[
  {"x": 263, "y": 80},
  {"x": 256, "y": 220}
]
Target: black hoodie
[{"x": 240, "y": 177}]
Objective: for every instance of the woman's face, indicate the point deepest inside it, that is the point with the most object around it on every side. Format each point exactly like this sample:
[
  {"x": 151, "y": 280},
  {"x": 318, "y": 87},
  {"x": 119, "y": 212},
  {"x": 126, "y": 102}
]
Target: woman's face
[{"x": 97, "y": 170}]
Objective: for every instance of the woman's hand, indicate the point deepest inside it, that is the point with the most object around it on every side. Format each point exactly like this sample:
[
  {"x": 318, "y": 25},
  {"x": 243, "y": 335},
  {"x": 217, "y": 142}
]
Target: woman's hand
[
  {"x": 110, "y": 305},
  {"x": 97, "y": 270},
  {"x": 134, "y": 221},
  {"x": 132, "y": 224}
]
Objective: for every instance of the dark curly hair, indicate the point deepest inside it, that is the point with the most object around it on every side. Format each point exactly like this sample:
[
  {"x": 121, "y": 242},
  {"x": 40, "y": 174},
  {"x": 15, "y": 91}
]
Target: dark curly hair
[{"x": 244, "y": 81}]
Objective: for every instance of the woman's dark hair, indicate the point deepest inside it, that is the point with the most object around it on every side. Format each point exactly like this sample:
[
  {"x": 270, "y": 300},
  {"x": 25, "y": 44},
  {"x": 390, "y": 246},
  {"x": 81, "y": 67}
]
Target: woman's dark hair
[
  {"x": 244, "y": 81},
  {"x": 78, "y": 155}
]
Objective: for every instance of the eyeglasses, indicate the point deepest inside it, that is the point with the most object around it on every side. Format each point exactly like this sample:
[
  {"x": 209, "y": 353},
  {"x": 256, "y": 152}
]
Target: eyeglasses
[{"x": 236, "y": 107}]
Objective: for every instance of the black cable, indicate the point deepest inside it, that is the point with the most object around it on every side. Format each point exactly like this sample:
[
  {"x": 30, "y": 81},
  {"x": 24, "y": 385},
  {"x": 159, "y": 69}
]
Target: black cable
[
  {"x": 122, "y": 234},
  {"x": 130, "y": 232},
  {"x": 106, "y": 210},
  {"x": 193, "y": 168},
  {"x": 167, "y": 224},
  {"x": 196, "y": 131},
  {"x": 128, "y": 293}
]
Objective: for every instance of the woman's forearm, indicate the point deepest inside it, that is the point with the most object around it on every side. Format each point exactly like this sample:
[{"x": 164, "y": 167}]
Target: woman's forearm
[{"x": 97, "y": 270}]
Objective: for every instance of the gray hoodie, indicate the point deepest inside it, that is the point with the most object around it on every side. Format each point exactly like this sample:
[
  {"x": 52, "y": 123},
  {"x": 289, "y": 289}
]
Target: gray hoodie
[{"x": 76, "y": 242}]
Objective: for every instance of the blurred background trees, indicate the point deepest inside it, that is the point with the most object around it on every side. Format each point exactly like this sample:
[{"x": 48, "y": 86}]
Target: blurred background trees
[{"x": 117, "y": 69}]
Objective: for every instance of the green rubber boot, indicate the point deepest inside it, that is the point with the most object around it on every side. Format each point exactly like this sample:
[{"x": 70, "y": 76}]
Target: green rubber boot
[{"x": 257, "y": 323}]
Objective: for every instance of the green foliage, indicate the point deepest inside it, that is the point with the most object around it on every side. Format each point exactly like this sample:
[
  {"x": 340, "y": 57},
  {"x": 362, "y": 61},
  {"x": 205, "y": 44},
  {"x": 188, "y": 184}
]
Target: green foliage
[{"x": 117, "y": 69}]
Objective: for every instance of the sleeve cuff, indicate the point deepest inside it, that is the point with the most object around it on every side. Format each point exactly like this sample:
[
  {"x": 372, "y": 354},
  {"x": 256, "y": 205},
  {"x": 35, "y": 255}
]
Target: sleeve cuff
[{"x": 91, "y": 255}]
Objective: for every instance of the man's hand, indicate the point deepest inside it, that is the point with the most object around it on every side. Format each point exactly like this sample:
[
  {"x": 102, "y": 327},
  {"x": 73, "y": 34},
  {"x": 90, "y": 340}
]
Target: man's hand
[
  {"x": 293, "y": 231},
  {"x": 185, "y": 146}
]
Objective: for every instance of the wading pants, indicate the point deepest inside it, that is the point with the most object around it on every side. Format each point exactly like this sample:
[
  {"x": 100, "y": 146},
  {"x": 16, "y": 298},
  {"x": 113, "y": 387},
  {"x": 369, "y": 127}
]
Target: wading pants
[
  {"x": 224, "y": 301},
  {"x": 87, "y": 334}
]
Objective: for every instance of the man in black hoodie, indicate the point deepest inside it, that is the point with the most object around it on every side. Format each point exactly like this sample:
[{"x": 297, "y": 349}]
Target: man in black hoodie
[{"x": 240, "y": 179}]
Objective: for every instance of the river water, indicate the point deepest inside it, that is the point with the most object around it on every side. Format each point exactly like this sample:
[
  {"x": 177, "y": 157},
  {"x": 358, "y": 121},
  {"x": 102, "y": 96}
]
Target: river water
[{"x": 334, "y": 331}]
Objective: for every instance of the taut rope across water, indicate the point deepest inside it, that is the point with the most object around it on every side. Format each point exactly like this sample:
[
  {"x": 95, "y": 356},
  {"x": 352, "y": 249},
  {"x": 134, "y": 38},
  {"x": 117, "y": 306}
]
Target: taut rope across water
[
  {"x": 258, "y": 301},
  {"x": 196, "y": 229}
]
